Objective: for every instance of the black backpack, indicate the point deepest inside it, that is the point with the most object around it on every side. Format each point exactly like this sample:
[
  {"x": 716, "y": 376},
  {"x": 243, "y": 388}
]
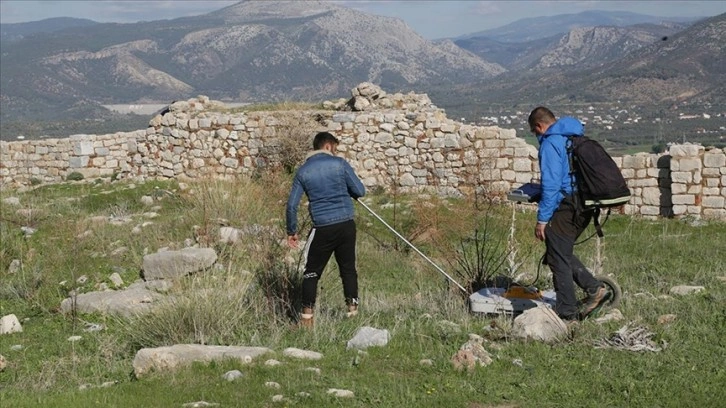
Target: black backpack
[{"x": 596, "y": 177}]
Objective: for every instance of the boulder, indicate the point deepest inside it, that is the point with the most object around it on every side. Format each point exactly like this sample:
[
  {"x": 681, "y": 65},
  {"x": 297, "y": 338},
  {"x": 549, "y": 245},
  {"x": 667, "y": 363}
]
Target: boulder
[
  {"x": 174, "y": 264},
  {"x": 181, "y": 355},
  {"x": 541, "y": 324},
  {"x": 10, "y": 324},
  {"x": 368, "y": 336},
  {"x": 125, "y": 303}
]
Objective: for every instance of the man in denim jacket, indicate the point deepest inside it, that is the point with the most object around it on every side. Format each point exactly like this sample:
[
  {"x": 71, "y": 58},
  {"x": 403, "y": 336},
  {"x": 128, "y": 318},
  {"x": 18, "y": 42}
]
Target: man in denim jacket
[
  {"x": 560, "y": 221},
  {"x": 329, "y": 183}
]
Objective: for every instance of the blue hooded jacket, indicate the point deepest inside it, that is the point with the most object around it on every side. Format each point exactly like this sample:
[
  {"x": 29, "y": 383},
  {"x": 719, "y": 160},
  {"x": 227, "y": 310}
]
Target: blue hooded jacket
[{"x": 555, "y": 166}]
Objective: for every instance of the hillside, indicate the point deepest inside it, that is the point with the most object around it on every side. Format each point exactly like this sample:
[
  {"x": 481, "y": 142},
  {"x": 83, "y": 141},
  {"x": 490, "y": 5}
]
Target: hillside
[
  {"x": 530, "y": 29},
  {"x": 683, "y": 66},
  {"x": 251, "y": 51}
]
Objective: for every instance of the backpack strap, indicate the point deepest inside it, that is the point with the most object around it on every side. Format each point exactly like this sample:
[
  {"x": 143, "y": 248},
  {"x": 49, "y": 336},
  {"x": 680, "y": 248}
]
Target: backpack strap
[{"x": 596, "y": 221}]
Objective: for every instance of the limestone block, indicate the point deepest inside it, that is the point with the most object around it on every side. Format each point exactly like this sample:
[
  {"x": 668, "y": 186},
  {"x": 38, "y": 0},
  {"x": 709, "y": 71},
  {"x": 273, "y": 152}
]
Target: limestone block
[
  {"x": 634, "y": 162},
  {"x": 493, "y": 143},
  {"x": 684, "y": 199},
  {"x": 78, "y": 162},
  {"x": 679, "y": 209},
  {"x": 689, "y": 164},
  {"x": 713, "y": 201},
  {"x": 682, "y": 177},
  {"x": 651, "y": 196},
  {"x": 678, "y": 188},
  {"x": 650, "y": 210},
  {"x": 685, "y": 150},
  {"x": 522, "y": 165},
  {"x": 714, "y": 160},
  {"x": 714, "y": 214},
  {"x": 710, "y": 172},
  {"x": 711, "y": 191}
]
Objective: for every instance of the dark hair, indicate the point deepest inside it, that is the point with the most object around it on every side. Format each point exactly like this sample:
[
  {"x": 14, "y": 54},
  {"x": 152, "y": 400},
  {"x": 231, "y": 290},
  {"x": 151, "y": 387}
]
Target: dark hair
[
  {"x": 540, "y": 114},
  {"x": 323, "y": 138}
]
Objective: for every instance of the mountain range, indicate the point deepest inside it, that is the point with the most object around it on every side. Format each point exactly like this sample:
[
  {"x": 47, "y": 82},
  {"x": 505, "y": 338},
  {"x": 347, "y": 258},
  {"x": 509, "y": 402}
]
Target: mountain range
[{"x": 313, "y": 50}]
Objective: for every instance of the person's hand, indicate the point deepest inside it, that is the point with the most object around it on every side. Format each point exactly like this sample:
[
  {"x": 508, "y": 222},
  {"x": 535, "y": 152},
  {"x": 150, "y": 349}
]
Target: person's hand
[
  {"x": 539, "y": 231},
  {"x": 292, "y": 241}
]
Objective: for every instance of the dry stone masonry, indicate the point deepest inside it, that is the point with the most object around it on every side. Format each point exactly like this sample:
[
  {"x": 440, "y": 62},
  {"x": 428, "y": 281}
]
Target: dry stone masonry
[{"x": 400, "y": 141}]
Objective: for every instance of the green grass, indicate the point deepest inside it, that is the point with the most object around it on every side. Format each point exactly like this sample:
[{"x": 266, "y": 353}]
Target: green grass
[{"x": 426, "y": 316}]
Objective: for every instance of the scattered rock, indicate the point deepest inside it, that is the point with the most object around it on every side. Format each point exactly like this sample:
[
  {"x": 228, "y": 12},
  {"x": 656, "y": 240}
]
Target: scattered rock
[
  {"x": 119, "y": 251},
  {"x": 172, "y": 357},
  {"x": 303, "y": 394},
  {"x": 541, "y": 324},
  {"x": 368, "y": 336},
  {"x": 74, "y": 339},
  {"x": 116, "y": 280},
  {"x": 93, "y": 327},
  {"x": 82, "y": 279},
  {"x": 15, "y": 266},
  {"x": 11, "y": 201},
  {"x": 108, "y": 384},
  {"x": 272, "y": 362},
  {"x": 10, "y": 324},
  {"x": 147, "y": 200},
  {"x": 232, "y": 375},
  {"x": 272, "y": 384},
  {"x": 313, "y": 370},
  {"x": 228, "y": 235},
  {"x": 683, "y": 290},
  {"x": 200, "y": 404},
  {"x": 278, "y": 398},
  {"x": 667, "y": 318},
  {"x": 341, "y": 393},
  {"x": 426, "y": 362},
  {"x": 301, "y": 354},
  {"x": 174, "y": 264},
  {"x": 613, "y": 315},
  {"x": 28, "y": 231},
  {"x": 471, "y": 354},
  {"x": 16, "y": 347},
  {"x": 3, "y": 363}
]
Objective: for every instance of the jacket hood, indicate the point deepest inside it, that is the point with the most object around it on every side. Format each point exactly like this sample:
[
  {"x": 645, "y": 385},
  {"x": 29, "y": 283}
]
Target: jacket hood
[{"x": 566, "y": 126}]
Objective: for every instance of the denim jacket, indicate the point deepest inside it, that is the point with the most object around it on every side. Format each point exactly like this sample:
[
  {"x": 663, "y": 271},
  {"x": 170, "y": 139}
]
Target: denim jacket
[{"x": 329, "y": 182}]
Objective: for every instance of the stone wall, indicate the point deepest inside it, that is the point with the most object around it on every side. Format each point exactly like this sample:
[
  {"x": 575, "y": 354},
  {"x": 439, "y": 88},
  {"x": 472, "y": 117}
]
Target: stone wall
[{"x": 393, "y": 141}]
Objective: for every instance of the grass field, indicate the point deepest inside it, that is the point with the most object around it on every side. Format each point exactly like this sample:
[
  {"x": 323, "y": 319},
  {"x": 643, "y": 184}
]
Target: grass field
[{"x": 243, "y": 302}]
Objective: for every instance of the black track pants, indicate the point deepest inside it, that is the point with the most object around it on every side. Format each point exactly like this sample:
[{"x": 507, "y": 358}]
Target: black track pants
[
  {"x": 338, "y": 239},
  {"x": 561, "y": 233}
]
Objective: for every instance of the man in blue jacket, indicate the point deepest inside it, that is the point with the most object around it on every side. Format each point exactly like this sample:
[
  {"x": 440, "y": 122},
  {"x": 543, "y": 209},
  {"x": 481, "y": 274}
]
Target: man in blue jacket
[
  {"x": 560, "y": 220},
  {"x": 329, "y": 183}
]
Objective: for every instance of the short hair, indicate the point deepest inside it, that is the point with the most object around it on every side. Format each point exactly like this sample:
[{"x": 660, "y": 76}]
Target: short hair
[
  {"x": 323, "y": 138},
  {"x": 540, "y": 114}
]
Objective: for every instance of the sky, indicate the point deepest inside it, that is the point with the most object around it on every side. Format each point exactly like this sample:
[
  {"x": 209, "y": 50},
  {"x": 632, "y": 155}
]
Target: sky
[{"x": 431, "y": 19}]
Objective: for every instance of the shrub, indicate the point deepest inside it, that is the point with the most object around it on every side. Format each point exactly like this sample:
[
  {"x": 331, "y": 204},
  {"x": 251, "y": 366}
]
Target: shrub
[{"x": 74, "y": 176}]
